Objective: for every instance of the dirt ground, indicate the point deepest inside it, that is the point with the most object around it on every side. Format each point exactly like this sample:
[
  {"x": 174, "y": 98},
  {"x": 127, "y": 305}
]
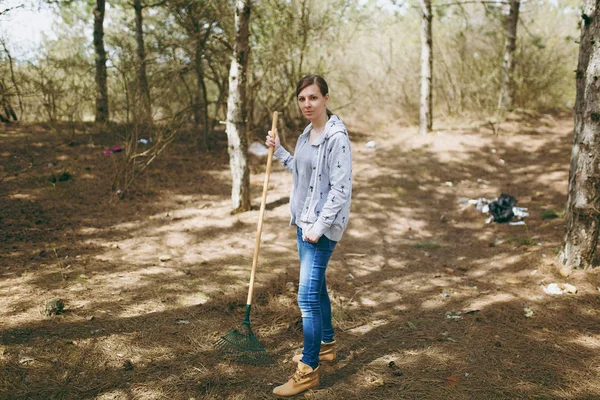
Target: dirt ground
[{"x": 429, "y": 301}]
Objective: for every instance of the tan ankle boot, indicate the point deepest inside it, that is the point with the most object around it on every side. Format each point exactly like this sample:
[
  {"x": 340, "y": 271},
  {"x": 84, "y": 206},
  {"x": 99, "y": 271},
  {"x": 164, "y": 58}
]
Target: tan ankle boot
[
  {"x": 326, "y": 355},
  {"x": 303, "y": 379}
]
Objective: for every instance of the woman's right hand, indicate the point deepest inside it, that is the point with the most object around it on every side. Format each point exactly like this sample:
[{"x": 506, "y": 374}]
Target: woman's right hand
[{"x": 272, "y": 142}]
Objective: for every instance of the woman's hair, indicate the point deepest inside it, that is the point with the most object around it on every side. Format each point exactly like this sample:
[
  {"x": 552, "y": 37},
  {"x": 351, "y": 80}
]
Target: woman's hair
[{"x": 314, "y": 80}]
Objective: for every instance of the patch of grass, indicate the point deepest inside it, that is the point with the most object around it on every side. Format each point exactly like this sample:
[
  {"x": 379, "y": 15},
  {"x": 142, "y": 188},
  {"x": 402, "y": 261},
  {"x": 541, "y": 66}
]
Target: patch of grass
[
  {"x": 521, "y": 241},
  {"x": 340, "y": 314},
  {"x": 526, "y": 241},
  {"x": 62, "y": 177},
  {"x": 550, "y": 214},
  {"x": 427, "y": 245}
]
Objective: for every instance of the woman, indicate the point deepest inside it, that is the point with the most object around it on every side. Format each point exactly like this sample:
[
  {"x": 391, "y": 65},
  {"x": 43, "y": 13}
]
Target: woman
[{"x": 320, "y": 206}]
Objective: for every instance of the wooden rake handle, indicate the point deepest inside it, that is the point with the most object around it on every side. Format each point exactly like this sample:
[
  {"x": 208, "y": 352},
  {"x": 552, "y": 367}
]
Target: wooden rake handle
[{"x": 261, "y": 215}]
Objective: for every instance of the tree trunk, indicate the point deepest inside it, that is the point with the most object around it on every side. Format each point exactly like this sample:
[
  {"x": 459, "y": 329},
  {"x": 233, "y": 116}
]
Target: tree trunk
[
  {"x": 9, "y": 112},
  {"x": 236, "y": 104},
  {"x": 144, "y": 91},
  {"x": 197, "y": 97},
  {"x": 425, "y": 119},
  {"x": 583, "y": 204},
  {"x": 101, "y": 86},
  {"x": 205, "y": 118},
  {"x": 222, "y": 86},
  {"x": 201, "y": 96},
  {"x": 508, "y": 86},
  {"x": 14, "y": 80}
]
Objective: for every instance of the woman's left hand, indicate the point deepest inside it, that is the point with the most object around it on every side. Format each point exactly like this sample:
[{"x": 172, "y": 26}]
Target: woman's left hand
[{"x": 311, "y": 237}]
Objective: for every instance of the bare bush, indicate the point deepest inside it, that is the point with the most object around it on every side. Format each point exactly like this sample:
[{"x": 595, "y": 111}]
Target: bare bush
[{"x": 143, "y": 144}]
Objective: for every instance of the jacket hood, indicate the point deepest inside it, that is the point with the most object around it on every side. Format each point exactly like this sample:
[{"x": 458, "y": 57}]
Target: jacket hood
[{"x": 333, "y": 126}]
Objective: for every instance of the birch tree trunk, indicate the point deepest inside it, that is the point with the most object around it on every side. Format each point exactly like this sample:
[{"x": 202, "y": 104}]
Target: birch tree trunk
[
  {"x": 583, "y": 204},
  {"x": 425, "y": 119},
  {"x": 101, "y": 75},
  {"x": 236, "y": 104},
  {"x": 143, "y": 89},
  {"x": 508, "y": 86}
]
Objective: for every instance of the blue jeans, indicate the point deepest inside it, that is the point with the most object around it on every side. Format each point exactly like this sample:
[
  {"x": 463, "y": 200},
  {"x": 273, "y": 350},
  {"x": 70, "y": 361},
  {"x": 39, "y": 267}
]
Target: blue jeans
[{"x": 313, "y": 298}]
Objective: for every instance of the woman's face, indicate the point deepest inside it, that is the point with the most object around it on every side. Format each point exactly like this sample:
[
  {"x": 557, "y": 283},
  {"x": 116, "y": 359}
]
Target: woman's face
[{"x": 312, "y": 103}]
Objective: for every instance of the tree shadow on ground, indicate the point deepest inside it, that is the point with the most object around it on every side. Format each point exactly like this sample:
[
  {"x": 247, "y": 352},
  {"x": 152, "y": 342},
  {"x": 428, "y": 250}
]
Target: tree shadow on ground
[{"x": 419, "y": 280}]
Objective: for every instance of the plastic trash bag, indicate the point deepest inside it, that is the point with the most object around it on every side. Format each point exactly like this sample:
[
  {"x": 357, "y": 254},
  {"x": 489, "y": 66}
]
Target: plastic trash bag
[{"x": 501, "y": 209}]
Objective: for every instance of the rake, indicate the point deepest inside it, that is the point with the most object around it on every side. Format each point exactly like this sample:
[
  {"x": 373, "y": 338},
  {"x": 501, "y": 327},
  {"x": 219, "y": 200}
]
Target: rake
[{"x": 241, "y": 343}]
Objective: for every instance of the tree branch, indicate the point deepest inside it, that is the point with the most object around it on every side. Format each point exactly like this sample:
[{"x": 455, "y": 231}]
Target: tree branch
[{"x": 7, "y": 10}]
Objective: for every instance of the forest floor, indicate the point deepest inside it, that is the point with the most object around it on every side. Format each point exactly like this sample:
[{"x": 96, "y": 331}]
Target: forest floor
[{"x": 429, "y": 301}]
